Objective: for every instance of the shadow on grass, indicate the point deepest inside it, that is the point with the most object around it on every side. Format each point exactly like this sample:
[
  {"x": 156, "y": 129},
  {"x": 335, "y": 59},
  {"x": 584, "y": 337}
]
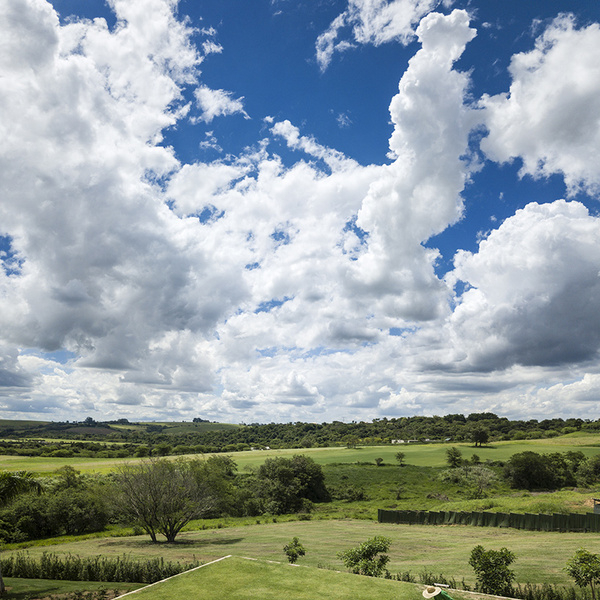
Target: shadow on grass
[{"x": 178, "y": 543}]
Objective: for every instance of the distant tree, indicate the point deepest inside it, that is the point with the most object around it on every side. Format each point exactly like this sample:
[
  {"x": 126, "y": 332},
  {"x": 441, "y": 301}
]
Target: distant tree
[
  {"x": 379, "y": 461},
  {"x": 530, "y": 470},
  {"x": 294, "y": 550},
  {"x": 584, "y": 568},
  {"x": 491, "y": 570},
  {"x": 367, "y": 559},
  {"x": 588, "y": 470},
  {"x": 453, "y": 457},
  {"x": 480, "y": 435},
  {"x": 400, "y": 456}
]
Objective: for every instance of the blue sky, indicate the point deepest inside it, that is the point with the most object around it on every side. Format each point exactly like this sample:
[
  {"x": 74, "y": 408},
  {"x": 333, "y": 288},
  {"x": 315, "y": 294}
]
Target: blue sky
[{"x": 282, "y": 210}]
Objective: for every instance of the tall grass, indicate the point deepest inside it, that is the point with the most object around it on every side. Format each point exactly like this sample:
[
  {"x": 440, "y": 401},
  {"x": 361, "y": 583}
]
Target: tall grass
[{"x": 96, "y": 568}]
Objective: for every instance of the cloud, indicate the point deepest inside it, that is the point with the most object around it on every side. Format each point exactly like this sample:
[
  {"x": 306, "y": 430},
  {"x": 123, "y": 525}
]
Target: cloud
[
  {"x": 218, "y": 103},
  {"x": 372, "y": 22},
  {"x": 550, "y": 118},
  {"x": 534, "y": 290}
]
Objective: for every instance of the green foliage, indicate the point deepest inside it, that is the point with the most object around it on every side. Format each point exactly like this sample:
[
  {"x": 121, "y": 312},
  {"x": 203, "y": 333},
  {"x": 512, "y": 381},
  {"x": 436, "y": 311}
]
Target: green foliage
[
  {"x": 453, "y": 457},
  {"x": 294, "y": 550},
  {"x": 367, "y": 559},
  {"x": 530, "y": 470},
  {"x": 286, "y": 485},
  {"x": 67, "y": 511},
  {"x": 97, "y": 568},
  {"x": 163, "y": 496},
  {"x": 379, "y": 461},
  {"x": 584, "y": 568},
  {"x": 491, "y": 570},
  {"x": 400, "y": 457}
]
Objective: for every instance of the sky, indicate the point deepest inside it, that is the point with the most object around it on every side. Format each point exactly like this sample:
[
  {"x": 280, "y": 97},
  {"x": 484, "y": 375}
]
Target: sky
[{"x": 299, "y": 210}]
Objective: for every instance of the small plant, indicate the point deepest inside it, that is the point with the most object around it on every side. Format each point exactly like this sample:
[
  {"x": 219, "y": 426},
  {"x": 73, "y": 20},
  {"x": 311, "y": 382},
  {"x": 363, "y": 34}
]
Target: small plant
[
  {"x": 294, "y": 550},
  {"x": 364, "y": 559},
  {"x": 584, "y": 568},
  {"x": 379, "y": 461},
  {"x": 491, "y": 570}
]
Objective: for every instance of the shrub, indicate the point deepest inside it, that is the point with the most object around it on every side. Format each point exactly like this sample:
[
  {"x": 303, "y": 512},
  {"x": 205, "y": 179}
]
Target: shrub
[
  {"x": 294, "y": 550},
  {"x": 364, "y": 559},
  {"x": 491, "y": 570}
]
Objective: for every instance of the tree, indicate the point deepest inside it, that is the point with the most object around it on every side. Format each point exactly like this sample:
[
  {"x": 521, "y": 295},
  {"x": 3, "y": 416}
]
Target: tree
[
  {"x": 162, "y": 496},
  {"x": 288, "y": 485},
  {"x": 584, "y": 568},
  {"x": 294, "y": 550},
  {"x": 480, "y": 435},
  {"x": 491, "y": 570},
  {"x": 531, "y": 470},
  {"x": 453, "y": 457},
  {"x": 400, "y": 456},
  {"x": 379, "y": 461},
  {"x": 12, "y": 484},
  {"x": 364, "y": 559}
]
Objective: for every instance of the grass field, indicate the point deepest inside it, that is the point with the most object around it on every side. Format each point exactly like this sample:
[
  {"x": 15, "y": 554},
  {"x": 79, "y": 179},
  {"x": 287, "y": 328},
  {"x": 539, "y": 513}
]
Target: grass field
[
  {"x": 424, "y": 455},
  {"x": 541, "y": 556},
  {"x": 237, "y": 578}
]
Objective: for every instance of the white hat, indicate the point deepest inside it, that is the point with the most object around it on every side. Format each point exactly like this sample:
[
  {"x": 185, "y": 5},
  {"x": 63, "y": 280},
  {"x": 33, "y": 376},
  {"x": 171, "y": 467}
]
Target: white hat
[{"x": 430, "y": 591}]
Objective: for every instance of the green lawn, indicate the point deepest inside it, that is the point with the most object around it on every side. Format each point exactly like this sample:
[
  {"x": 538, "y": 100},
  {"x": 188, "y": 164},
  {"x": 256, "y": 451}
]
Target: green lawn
[
  {"x": 541, "y": 556},
  {"x": 237, "y": 578}
]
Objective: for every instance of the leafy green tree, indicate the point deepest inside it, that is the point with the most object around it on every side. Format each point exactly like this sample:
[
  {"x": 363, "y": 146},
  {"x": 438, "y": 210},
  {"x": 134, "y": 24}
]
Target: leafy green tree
[
  {"x": 12, "y": 484},
  {"x": 584, "y": 568},
  {"x": 379, "y": 461},
  {"x": 400, "y": 456},
  {"x": 491, "y": 570},
  {"x": 530, "y": 470},
  {"x": 480, "y": 435},
  {"x": 163, "y": 496},
  {"x": 287, "y": 485},
  {"x": 367, "y": 559},
  {"x": 453, "y": 457},
  {"x": 294, "y": 550}
]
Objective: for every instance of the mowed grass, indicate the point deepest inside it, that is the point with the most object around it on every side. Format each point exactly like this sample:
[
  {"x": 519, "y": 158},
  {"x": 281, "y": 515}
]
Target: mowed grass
[
  {"x": 445, "y": 550},
  {"x": 237, "y": 578}
]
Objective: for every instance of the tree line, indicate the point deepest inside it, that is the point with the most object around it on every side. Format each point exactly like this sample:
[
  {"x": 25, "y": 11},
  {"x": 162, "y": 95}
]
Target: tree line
[{"x": 106, "y": 440}]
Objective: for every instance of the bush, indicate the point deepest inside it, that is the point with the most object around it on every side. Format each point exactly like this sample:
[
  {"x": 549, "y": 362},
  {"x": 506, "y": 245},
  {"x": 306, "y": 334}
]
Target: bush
[
  {"x": 364, "y": 559},
  {"x": 294, "y": 550},
  {"x": 491, "y": 570}
]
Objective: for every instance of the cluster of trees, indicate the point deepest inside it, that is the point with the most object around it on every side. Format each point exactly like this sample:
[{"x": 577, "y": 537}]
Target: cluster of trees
[
  {"x": 160, "y": 440},
  {"x": 161, "y": 496},
  {"x": 531, "y": 470},
  {"x": 524, "y": 470}
]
